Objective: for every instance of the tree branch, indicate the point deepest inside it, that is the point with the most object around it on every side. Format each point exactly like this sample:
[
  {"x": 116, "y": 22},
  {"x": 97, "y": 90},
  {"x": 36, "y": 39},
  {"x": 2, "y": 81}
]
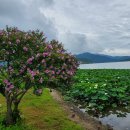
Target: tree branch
[{"x": 22, "y": 96}]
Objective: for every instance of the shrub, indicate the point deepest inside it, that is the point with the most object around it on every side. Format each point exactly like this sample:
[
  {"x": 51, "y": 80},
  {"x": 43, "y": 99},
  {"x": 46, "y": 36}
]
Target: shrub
[{"x": 30, "y": 62}]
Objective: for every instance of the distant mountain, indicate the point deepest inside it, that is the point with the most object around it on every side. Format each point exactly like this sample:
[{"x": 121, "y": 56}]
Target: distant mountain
[{"x": 100, "y": 58}]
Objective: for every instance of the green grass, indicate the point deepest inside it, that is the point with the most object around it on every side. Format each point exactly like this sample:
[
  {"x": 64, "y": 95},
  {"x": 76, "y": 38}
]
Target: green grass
[{"x": 40, "y": 113}]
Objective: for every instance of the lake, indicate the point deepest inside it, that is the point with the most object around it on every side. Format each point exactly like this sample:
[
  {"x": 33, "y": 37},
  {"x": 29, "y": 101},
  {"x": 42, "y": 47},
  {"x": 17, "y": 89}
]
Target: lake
[
  {"x": 117, "y": 122},
  {"x": 111, "y": 65}
]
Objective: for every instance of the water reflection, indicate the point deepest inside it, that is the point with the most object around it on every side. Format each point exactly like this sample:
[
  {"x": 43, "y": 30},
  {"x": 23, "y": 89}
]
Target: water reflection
[
  {"x": 118, "y": 118},
  {"x": 117, "y": 122},
  {"x": 119, "y": 111}
]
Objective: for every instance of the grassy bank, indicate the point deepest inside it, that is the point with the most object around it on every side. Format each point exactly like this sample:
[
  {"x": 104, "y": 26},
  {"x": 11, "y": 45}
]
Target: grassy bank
[{"x": 40, "y": 113}]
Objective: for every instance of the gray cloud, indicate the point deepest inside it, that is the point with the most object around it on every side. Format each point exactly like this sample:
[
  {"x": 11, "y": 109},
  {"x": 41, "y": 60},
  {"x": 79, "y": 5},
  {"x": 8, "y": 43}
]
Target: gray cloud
[
  {"x": 11, "y": 8},
  {"x": 74, "y": 42},
  {"x": 26, "y": 15},
  {"x": 101, "y": 26}
]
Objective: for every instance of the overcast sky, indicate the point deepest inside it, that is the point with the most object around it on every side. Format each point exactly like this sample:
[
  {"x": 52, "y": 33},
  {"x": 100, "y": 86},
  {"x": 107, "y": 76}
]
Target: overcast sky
[{"x": 97, "y": 26}]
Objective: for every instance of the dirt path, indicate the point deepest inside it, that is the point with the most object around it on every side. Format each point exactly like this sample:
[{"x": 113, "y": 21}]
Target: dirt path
[{"x": 77, "y": 116}]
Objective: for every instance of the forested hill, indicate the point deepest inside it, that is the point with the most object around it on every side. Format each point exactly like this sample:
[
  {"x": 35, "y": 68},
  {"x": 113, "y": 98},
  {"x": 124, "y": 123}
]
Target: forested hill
[{"x": 100, "y": 58}]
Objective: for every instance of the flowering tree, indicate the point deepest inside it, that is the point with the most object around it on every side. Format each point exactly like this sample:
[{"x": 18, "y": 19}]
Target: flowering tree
[{"x": 30, "y": 62}]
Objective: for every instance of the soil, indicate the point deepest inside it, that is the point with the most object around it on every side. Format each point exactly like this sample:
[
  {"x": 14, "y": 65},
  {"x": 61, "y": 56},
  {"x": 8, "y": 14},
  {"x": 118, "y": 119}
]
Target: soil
[{"x": 76, "y": 115}]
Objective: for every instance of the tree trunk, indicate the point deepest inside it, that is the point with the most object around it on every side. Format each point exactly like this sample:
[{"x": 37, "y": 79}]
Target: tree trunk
[
  {"x": 13, "y": 114},
  {"x": 9, "y": 115},
  {"x": 16, "y": 114}
]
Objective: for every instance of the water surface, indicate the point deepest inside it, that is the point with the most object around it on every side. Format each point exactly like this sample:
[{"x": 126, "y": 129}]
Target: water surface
[
  {"x": 118, "y": 123},
  {"x": 118, "y": 120},
  {"x": 111, "y": 65}
]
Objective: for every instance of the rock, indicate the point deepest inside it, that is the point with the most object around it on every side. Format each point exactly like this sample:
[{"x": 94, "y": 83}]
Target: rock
[
  {"x": 109, "y": 127},
  {"x": 73, "y": 115},
  {"x": 71, "y": 108}
]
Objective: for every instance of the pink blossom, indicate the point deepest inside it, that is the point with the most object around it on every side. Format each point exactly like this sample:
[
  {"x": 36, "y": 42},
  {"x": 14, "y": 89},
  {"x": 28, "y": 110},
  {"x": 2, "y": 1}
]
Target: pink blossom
[
  {"x": 32, "y": 78},
  {"x": 64, "y": 65},
  {"x": 40, "y": 91},
  {"x": 69, "y": 60},
  {"x": 61, "y": 76},
  {"x": 25, "y": 48},
  {"x": 9, "y": 85},
  {"x": 49, "y": 46},
  {"x": 51, "y": 67},
  {"x": 11, "y": 69},
  {"x": 33, "y": 73},
  {"x": 53, "y": 72},
  {"x": 37, "y": 72},
  {"x": 38, "y": 55},
  {"x": 29, "y": 61},
  {"x": 47, "y": 71},
  {"x": 41, "y": 80},
  {"x": 17, "y": 41},
  {"x": 43, "y": 61},
  {"x": 70, "y": 73},
  {"x": 21, "y": 71},
  {"x": 58, "y": 72},
  {"x": 60, "y": 51},
  {"x": 62, "y": 57},
  {"x": 9, "y": 88},
  {"x": 6, "y": 81},
  {"x": 45, "y": 54},
  {"x": 24, "y": 66}
]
